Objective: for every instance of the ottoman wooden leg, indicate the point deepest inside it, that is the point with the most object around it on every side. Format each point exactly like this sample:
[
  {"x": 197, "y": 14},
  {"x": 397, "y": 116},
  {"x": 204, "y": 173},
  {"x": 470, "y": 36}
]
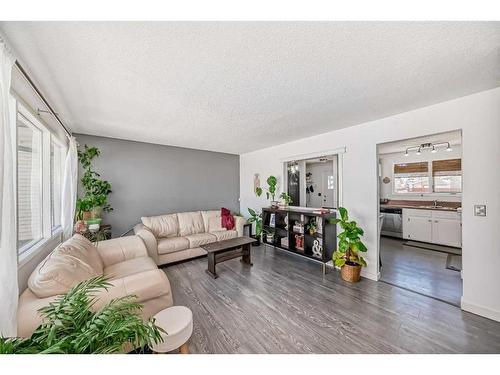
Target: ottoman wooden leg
[{"x": 184, "y": 349}]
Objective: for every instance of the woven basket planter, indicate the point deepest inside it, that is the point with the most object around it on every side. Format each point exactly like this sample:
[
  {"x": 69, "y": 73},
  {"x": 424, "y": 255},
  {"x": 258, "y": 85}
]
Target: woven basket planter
[{"x": 350, "y": 273}]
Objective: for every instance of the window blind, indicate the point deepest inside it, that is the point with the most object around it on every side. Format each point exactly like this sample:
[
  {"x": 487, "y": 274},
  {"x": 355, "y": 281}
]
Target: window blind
[
  {"x": 447, "y": 167},
  {"x": 418, "y": 167}
]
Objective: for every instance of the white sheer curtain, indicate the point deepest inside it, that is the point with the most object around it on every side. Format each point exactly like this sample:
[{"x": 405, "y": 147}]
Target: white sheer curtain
[
  {"x": 9, "y": 292},
  {"x": 69, "y": 189}
]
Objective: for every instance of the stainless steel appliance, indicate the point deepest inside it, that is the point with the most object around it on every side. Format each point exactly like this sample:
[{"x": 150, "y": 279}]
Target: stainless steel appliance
[{"x": 393, "y": 222}]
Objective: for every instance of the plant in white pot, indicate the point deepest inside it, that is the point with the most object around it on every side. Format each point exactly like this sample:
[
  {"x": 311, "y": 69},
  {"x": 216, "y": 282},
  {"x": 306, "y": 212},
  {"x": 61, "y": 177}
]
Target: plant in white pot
[{"x": 347, "y": 256}]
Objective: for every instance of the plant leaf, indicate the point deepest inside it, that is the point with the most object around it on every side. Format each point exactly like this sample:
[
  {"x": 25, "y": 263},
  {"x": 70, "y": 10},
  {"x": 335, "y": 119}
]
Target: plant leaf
[{"x": 343, "y": 214}]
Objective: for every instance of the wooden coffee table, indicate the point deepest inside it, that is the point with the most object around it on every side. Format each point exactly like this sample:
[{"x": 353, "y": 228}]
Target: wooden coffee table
[{"x": 228, "y": 249}]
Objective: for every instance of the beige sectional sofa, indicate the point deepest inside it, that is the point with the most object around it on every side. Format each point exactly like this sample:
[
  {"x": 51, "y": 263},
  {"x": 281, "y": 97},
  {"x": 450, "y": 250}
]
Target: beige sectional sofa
[
  {"x": 123, "y": 260},
  {"x": 178, "y": 236}
]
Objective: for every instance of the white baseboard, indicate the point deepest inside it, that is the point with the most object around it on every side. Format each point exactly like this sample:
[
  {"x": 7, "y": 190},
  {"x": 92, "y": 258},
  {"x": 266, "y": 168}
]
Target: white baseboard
[
  {"x": 371, "y": 275},
  {"x": 480, "y": 310}
]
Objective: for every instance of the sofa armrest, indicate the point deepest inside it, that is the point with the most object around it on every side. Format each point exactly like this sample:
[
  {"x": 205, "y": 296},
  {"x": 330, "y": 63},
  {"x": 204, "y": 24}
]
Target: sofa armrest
[
  {"x": 28, "y": 316},
  {"x": 144, "y": 286},
  {"x": 239, "y": 221},
  {"x": 120, "y": 249},
  {"x": 149, "y": 239}
]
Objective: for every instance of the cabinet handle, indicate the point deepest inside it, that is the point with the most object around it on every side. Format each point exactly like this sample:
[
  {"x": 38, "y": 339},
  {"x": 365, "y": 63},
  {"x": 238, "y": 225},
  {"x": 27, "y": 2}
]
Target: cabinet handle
[
  {"x": 436, "y": 221},
  {"x": 430, "y": 221}
]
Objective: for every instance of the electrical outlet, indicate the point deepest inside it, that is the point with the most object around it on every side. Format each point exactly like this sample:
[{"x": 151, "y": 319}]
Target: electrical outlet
[{"x": 480, "y": 210}]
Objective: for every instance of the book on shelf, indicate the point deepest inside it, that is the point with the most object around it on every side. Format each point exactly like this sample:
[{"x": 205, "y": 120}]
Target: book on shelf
[
  {"x": 272, "y": 220},
  {"x": 319, "y": 226}
]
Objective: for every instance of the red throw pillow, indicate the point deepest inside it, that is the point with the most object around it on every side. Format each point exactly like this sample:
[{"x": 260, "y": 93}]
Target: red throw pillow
[{"x": 227, "y": 220}]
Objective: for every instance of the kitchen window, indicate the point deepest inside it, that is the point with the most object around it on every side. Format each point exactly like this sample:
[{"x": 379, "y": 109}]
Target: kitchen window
[
  {"x": 447, "y": 176},
  {"x": 411, "y": 178}
]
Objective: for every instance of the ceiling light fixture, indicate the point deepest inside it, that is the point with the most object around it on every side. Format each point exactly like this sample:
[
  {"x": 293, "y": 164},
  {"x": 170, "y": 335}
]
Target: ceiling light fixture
[{"x": 424, "y": 146}]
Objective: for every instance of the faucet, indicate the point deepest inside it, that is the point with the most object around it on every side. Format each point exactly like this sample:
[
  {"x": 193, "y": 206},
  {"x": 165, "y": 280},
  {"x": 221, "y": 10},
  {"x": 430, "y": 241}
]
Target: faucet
[{"x": 435, "y": 203}]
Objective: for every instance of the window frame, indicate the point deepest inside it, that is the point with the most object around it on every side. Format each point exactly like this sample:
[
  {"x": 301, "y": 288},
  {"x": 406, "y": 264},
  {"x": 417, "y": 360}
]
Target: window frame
[
  {"x": 25, "y": 117},
  {"x": 54, "y": 140},
  {"x": 430, "y": 191},
  {"x": 28, "y": 251},
  {"x": 411, "y": 175}
]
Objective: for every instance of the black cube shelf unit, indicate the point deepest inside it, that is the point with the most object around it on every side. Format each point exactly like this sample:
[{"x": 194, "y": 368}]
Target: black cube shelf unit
[{"x": 286, "y": 238}]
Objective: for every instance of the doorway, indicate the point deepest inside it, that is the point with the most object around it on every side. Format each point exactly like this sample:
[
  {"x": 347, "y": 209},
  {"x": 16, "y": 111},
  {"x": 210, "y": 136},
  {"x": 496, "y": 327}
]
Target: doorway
[
  {"x": 313, "y": 182},
  {"x": 420, "y": 227}
]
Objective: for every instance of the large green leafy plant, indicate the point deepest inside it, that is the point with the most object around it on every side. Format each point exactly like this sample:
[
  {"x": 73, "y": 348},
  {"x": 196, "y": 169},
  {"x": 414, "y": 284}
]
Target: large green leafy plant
[
  {"x": 350, "y": 244},
  {"x": 96, "y": 190},
  {"x": 257, "y": 219},
  {"x": 71, "y": 327},
  {"x": 270, "y": 190}
]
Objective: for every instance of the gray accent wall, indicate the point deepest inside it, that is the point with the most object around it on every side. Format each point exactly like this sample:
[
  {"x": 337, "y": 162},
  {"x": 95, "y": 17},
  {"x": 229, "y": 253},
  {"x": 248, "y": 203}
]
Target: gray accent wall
[{"x": 150, "y": 179}]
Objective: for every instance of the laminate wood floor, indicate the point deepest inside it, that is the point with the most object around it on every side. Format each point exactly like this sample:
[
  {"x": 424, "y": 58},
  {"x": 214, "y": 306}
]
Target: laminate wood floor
[
  {"x": 283, "y": 304},
  {"x": 420, "y": 270}
]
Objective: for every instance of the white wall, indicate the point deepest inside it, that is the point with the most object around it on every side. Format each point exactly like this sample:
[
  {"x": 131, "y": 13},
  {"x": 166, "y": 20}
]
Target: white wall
[
  {"x": 387, "y": 162},
  {"x": 478, "y": 116}
]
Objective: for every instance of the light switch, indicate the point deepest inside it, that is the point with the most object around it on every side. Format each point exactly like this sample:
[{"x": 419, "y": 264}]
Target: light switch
[{"x": 480, "y": 210}]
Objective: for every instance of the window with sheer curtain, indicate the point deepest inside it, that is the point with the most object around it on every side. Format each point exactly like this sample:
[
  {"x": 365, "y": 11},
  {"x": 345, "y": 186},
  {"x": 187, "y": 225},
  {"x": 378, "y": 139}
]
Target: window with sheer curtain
[
  {"x": 29, "y": 183},
  {"x": 39, "y": 181}
]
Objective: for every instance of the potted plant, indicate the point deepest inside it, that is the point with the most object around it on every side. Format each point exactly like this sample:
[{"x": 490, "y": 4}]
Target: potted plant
[
  {"x": 347, "y": 256},
  {"x": 73, "y": 326},
  {"x": 270, "y": 190},
  {"x": 259, "y": 230},
  {"x": 312, "y": 227},
  {"x": 96, "y": 190},
  {"x": 83, "y": 209},
  {"x": 286, "y": 199}
]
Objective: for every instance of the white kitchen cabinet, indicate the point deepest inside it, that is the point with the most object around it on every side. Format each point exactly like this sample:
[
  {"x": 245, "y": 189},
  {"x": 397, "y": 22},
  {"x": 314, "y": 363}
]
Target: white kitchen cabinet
[
  {"x": 417, "y": 225},
  {"x": 433, "y": 226},
  {"x": 447, "y": 228}
]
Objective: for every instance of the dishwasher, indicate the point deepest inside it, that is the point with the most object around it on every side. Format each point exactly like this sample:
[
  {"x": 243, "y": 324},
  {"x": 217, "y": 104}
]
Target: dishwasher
[{"x": 392, "y": 225}]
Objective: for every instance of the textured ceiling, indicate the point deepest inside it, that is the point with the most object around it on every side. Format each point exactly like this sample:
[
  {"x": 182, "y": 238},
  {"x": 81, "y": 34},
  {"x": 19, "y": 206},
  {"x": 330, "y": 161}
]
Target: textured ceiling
[
  {"x": 240, "y": 86},
  {"x": 453, "y": 137}
]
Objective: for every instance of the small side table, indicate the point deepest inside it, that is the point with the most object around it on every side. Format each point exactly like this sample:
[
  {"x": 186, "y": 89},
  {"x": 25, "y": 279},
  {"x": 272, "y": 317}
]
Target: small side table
[
  {"x": 249, "y": 227},
  {"x": 177, "y": 322}
]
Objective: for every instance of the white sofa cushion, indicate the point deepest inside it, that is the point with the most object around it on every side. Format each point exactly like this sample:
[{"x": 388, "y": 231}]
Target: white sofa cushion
[
  {"x": 196, "y": 240},
  {"x": 129, "y": 267},
  {"x": 212, "y": 221},
  {"x": 162, "y": 226},
  {"x": 171, "y": 245},
  {"x": 222, "y": 235},
  {"x": 68, "y": 264},
  {"x": 190, "y": 223}
]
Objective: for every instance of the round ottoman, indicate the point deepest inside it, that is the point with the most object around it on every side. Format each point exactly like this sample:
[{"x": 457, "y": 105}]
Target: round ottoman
[{"x": 177, "y": 322}]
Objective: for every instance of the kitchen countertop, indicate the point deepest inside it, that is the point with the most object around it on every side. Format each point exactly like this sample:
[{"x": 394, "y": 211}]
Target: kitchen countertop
[{"x": 423, "y": 205}]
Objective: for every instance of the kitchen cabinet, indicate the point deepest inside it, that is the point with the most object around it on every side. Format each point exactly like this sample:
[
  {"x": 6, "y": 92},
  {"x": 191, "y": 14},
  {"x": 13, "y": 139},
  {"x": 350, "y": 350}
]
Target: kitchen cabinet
[
  {"x": 447, "y": 228},
  {"x": 433, "y": 226}
]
